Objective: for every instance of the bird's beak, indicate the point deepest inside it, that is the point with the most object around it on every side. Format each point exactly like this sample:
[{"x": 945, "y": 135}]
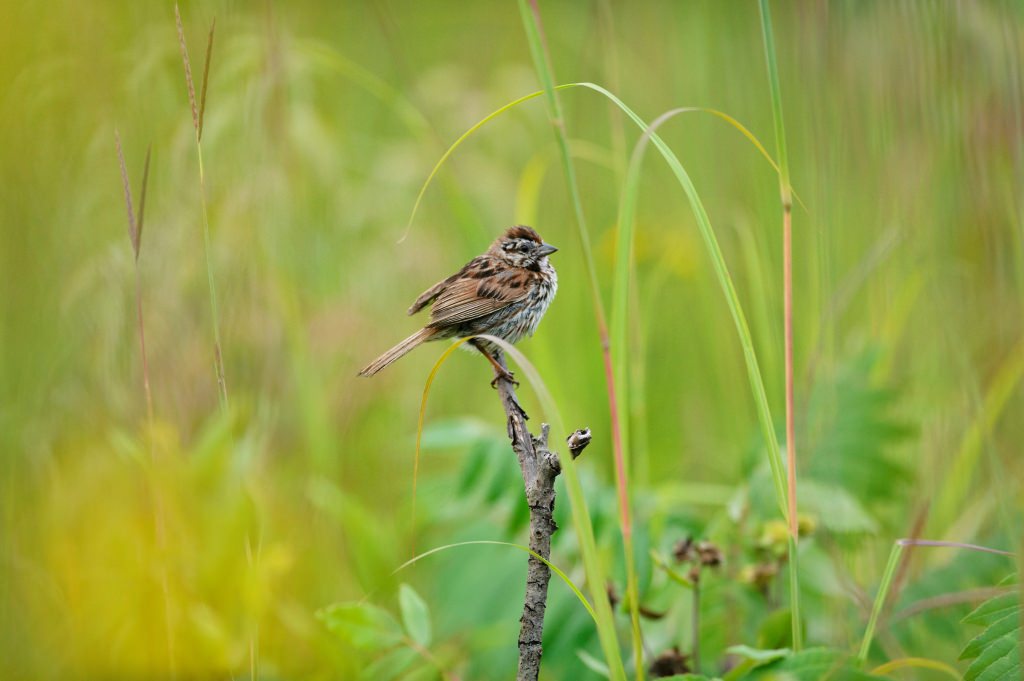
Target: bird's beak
[{"x": 545, "y": 249}]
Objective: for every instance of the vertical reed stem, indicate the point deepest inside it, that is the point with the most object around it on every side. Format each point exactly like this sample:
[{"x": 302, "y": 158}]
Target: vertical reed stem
[{"x": 786, "y": 193}]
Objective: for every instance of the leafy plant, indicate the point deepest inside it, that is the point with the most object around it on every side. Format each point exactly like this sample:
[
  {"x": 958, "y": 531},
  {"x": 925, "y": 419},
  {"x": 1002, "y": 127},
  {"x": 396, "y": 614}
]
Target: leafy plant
[
  {"x": 394, "y": 648},
  {"x": 995, "y": 651}
]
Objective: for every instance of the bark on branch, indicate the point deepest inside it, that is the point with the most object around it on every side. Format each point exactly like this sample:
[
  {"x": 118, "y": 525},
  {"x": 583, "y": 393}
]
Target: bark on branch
[{"x": 540, "y": 466}]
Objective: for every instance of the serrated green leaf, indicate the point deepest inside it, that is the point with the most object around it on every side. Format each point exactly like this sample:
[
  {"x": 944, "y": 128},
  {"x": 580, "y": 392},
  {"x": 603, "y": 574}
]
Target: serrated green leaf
[
  {"x": 994, "y": 610},
  {"x": 999, "y": 661},
  {"x": 813, "y": 664},
  {"x": 1007, "y": 626},
  {"x": 997, "y": 649},
  {"x": 362, "y": 625},
  {"x": 415, "y": 615}
]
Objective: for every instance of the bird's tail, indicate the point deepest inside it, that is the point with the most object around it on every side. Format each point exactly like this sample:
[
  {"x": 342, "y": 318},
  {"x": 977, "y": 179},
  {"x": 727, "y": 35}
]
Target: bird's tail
[{"x": 398, "y": 351}]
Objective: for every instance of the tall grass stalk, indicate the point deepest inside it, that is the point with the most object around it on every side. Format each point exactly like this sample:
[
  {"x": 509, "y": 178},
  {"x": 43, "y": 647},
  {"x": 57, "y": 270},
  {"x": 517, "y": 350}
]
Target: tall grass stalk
[
  {"x": 786, "y": 192},
  {"x": 198, "y": 118},
  {"x": 534, "y": 32},
  {"x": 198, "y": 114},
  {"x": 135, "y": 225}
]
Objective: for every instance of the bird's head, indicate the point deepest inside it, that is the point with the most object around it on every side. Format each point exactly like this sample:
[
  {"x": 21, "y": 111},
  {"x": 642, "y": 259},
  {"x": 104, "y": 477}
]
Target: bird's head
[{"x": 521, "y": 246}]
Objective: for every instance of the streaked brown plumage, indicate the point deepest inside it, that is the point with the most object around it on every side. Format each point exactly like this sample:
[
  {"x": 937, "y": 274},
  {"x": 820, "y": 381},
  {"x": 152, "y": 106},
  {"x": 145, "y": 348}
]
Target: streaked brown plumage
[{"x": 503, "y": 293}]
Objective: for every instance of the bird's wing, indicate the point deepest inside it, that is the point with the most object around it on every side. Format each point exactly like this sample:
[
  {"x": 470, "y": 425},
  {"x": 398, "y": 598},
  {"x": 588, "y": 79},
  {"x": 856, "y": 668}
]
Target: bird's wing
[
  {"x": 477, "y": 292},
  {"x": 434, "y": 291}
]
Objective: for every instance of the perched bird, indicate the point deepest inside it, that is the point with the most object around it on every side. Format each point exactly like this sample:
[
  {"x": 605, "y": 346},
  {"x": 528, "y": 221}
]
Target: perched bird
[{"x": 503, "y": 293}]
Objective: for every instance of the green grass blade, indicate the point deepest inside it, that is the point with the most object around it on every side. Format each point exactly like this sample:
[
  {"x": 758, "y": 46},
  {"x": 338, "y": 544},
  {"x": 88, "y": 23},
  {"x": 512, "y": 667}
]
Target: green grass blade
[
  {"x": 773, "y": 84},
  {"x": 883, "y": 591}
]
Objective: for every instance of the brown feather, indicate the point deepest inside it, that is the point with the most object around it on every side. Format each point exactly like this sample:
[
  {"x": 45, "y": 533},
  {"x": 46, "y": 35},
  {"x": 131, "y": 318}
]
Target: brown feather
[
  {"x": 470, "y": 298},
  {"x": 522, "y": 232},
  {"x": 434, "y": 291}
]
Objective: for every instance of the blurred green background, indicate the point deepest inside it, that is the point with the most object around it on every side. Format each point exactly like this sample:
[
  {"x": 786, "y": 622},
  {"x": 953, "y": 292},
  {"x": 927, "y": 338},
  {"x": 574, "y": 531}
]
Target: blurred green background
[{"x": 212, "y": 557}]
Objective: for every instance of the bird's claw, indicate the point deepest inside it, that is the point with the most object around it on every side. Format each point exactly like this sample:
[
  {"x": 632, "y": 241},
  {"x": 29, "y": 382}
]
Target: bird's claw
[{"x": 505, "y": 375}]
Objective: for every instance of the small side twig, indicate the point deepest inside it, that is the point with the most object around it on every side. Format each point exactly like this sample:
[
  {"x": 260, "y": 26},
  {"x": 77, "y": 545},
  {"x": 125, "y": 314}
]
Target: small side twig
[{"x": 540, "y": 466}]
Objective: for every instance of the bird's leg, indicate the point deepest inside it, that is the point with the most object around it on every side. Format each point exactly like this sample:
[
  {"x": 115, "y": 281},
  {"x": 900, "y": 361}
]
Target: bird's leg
[{"x": 500, "y": 372}]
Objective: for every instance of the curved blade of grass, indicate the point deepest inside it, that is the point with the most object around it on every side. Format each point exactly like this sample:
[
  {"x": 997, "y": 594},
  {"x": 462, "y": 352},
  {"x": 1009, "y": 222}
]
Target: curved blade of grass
[
  {"x": 455, "y": 145},
  {"x": 890, "y": 571},
  {"x": 918, "y": 663},
  {"x": 721, "y": 270},
  {"x": 412, "y": 117},
  {"x": 743, "y": 130},
  {"x": 419, "y": 432},
  {"x": 554, "y": 568},
  {"x": 620, "y": 351}
]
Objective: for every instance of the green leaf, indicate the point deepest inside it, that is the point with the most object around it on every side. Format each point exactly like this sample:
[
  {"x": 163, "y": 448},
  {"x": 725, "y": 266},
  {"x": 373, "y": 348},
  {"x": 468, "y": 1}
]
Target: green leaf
[
  {"x": 415, "y": 615},
  {"x": 1008, "y": 625},
  {"x": 391, "y": 665},
  {"x": 994, "y": 610},
  {"x": 752, "y": 658},
  {"x": 835, "y": 508},
  {"x": 1000, "y": 660},
  {"x": 996, "y": 650},
  {"x": 362, "y": 625},
  {"x": 855, "y": 428},
  {"x": 813, "y": 664},
  {"x": 775, "y": 631}
]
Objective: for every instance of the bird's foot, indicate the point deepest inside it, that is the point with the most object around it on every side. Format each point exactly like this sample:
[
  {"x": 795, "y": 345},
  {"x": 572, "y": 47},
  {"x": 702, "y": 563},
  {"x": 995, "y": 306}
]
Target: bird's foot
[{"x": 501, "y": 374}]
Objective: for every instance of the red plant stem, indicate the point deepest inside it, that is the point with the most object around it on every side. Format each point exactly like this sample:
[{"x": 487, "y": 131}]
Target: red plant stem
[{"x": 787, "y": 287}]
